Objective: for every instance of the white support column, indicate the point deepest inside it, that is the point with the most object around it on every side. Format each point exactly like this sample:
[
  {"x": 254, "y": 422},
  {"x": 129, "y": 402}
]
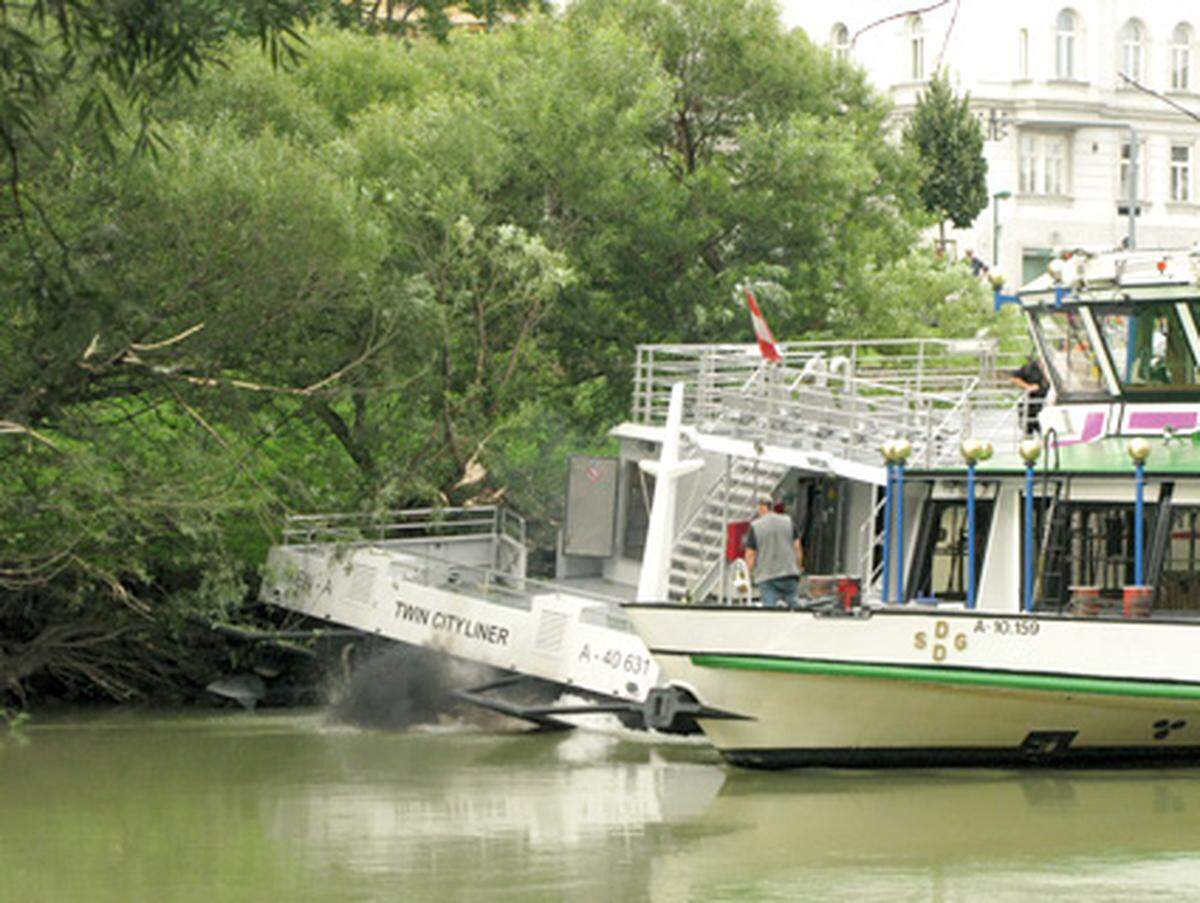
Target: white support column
[{"x": 668, "y": 470}]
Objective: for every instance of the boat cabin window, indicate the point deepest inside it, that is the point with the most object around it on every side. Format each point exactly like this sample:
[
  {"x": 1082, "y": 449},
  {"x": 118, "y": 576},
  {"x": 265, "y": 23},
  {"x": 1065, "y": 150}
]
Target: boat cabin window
[
  {"x": 639, "y": 492},
  {"x": 1068, "y": 349},
  {"x": 1179, "y": 586},
  {"x": 1090, "y": 544},
  {"x": 1148, "y": 346},
  {"x": 940, "y": 558}
]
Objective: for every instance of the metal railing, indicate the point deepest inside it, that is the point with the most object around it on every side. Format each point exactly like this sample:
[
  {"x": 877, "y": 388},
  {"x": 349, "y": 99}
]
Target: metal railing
[
  {"x": 708, "y": 566},
  {"x": 491, "y": 584},
  {"x": 504, "y": 528},
  {"x": 834, "y": 396},
  {"x": 916, "y": 365},
  {"x": 871, "y": 541}
]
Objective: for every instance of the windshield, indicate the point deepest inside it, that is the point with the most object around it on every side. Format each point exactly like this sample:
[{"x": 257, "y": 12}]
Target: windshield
[
  {"x": 1148, "y": 346},
  {"x": 1069, "y": 351}
]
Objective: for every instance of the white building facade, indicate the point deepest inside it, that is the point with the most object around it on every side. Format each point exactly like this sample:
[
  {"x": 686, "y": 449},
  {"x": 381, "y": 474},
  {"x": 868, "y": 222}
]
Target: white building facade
[{"x": 1044, "y": 77}]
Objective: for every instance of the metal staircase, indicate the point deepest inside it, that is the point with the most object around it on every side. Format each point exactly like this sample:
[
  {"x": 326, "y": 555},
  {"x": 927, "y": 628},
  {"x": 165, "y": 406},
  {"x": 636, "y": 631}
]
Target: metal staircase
[
  {"x": 871, "y": 542},
  {"x": 836, "y": 400},
  {"x": 699, "y": 553}
]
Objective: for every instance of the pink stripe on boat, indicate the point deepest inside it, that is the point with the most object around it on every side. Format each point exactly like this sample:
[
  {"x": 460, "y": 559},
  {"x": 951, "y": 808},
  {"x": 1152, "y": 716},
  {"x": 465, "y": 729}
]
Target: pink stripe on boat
[
  {"x": 1156, "y": 420},
  {"x": 1093, "y": 428}
]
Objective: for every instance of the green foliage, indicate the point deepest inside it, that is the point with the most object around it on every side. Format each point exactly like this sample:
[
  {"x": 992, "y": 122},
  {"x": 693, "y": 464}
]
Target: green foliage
[
  {"x": 924, "y": 295},
  {"x": 432, "y": 18},
  {"x": 401, "y": 273},
  {"x": 115, "y": 55},
  {"x": 949, "y": 142},
  {"x": 15, "y": 721}
]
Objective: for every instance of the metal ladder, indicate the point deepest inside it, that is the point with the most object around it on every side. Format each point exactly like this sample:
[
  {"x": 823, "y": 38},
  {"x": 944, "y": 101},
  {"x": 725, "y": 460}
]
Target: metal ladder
[{"x": 699, "y": 552}]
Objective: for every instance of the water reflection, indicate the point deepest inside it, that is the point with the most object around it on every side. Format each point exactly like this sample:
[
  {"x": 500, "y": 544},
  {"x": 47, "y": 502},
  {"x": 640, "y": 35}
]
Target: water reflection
[
  {"x": 284, "y": 807},
  {"x": 960, "y": 835},
  {"x": 544, "y": 794}
]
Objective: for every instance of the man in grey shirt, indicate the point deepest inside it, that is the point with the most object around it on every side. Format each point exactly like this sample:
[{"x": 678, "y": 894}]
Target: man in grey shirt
[{"x": 774, "y": 556}]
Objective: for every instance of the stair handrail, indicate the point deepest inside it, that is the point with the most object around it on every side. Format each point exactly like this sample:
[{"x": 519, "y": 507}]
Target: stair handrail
[
  {"x": 706, "y": 567},
  {"x": 871, "y": 541}
]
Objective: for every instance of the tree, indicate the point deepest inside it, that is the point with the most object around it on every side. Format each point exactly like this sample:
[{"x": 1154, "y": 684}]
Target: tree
[
  {"x": 949, "y": 142},
  {"x": 436, "y": 18},
  {"x": 392, "y": 275}
]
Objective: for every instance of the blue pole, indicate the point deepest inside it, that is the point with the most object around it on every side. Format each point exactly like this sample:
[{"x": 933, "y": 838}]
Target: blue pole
[
  {"x": 900, "y": 532},
  {"x": 1029, "y": 536},
  {"x": 1139, "y": 527},
  {"x": 887, "y": 533},
  {"x": 971, "y": 534}
]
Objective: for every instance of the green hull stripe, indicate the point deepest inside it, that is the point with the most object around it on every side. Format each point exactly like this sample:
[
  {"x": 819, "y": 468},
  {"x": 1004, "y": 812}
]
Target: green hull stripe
[{"x": 953, "y": 676}]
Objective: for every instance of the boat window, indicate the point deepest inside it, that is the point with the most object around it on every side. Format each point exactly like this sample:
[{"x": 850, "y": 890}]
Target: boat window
[
  {"x": 1148, "y": 346},
  {"x": 1179, "y": 589},
  {"x": 940, "y": 559},
  {"x": 1089, "y": 544},
  {"x": 639, "y": 492},
  {"x": 1069, "y": 352}
]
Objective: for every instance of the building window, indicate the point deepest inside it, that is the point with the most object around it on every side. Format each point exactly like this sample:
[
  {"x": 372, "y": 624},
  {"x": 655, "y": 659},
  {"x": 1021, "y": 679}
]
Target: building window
[
  {"x": 840, "y": 39},
  {"x": 1181, "y": 172},
  {"x": 916, "y": 39},
  {"x": 1181, "y": 58},
  {"x": 1043, "y": 164},
  {"x": 1066, "y": 30},
  {"x": 1133, "y": 49},
  {"x": 1023, "y": 53},
  {"x": 1123, "y": 174}
]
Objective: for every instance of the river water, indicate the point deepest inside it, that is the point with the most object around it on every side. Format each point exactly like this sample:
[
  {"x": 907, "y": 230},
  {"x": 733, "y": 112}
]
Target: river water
[{"x": 284, "y": 806}]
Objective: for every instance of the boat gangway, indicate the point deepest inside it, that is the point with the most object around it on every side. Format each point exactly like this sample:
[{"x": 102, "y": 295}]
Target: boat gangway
[{"x": 454, "y": 580}]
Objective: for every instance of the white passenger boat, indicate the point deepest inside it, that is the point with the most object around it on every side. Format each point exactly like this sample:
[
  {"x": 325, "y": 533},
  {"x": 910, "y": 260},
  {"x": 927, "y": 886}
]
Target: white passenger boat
[
  {"x": 1037, "y": 605},
  {"x": 1031, "y": 631}
]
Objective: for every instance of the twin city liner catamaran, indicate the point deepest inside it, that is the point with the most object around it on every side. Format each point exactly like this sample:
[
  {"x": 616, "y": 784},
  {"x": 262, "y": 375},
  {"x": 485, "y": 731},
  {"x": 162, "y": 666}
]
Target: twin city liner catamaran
[{"x": 1024, "y": 599}]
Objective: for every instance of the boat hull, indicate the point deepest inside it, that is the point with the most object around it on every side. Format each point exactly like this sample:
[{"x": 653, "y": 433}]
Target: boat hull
[{"x": 812, "y": 691}]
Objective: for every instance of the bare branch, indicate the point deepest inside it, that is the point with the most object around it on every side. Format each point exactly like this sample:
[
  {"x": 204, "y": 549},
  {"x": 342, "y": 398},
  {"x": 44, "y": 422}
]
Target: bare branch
[
  {"x": 155, "y": 346},
  {"x": 368, "y": 353},
  {"x": 9, "y": 426}
]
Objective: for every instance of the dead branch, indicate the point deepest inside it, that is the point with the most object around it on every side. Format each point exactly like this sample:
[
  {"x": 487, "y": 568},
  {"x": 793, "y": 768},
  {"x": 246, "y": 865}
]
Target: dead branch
[
  {"x": 9, "y": 426},
  {"x": 367, "y": 353},
  {"x": 165, "y": 343}
]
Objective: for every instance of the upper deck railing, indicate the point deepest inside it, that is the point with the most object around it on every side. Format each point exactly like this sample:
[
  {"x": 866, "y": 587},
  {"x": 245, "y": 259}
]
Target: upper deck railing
[
  {"x": 503, "y": 528},
  {"x": 839, "y": 397},
  {"x": 408, "y": 523}
]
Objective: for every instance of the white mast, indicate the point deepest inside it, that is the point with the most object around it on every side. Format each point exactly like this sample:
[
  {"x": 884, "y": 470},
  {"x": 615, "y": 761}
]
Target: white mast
[{"x": 667, "y": 471}]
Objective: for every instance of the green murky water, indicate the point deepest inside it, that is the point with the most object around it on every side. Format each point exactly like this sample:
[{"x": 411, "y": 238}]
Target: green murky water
[{"x": 285, "y": 807}]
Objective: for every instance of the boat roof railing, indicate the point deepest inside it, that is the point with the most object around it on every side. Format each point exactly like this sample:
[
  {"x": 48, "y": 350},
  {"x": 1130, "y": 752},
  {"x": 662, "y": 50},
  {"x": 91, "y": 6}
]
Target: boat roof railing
[{"x": 1096, "y": 276}]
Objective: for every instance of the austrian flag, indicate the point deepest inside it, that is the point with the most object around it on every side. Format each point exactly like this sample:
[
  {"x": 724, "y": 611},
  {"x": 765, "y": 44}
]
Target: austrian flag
[{"x": 762, "y": 332}]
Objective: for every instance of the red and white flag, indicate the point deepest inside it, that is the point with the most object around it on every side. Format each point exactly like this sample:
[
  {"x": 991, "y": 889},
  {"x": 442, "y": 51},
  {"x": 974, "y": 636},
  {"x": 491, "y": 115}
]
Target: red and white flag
[{"x": 762, "y": 332}]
